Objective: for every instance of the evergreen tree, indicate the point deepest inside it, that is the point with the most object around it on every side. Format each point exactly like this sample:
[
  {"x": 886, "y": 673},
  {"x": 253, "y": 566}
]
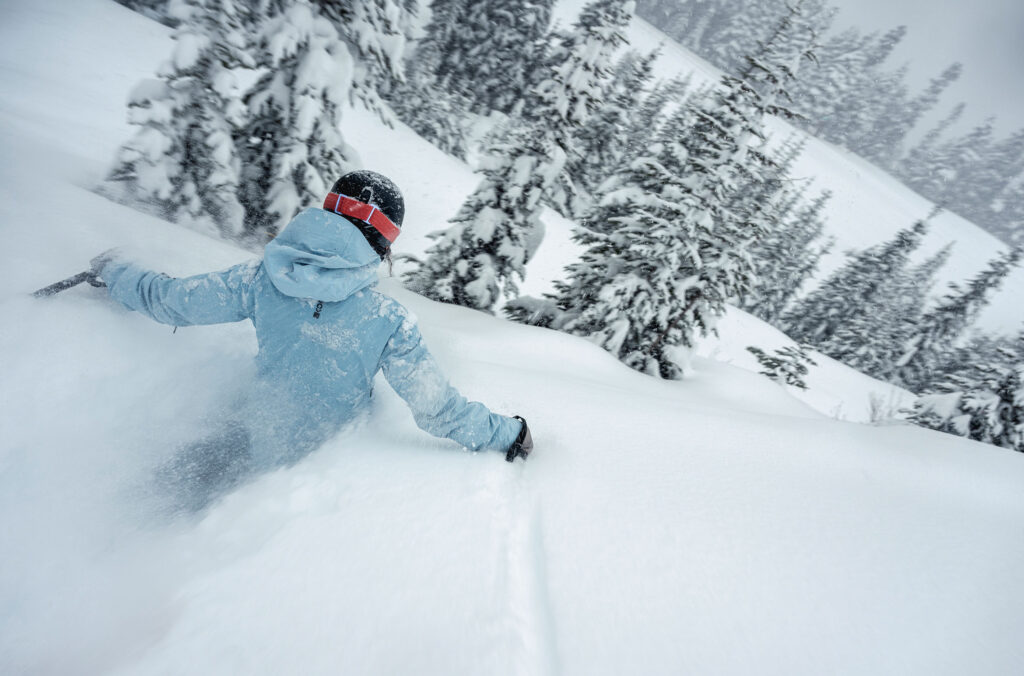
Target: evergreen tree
[
  {"x": 294, "y": 149},
  {"x": 988, "y": 177},
  {"x": 664, "y": 13},
  {"x": 929, "y": 98},
  {"x": 821, "y": 93},
  {"x": 963, "y": 157},
  {"x": 626, "y": 293},
  {"x": 751, "y": 20},
  {"x": 850, "y": 291},
  {"x": 872, "y": 341},
  {"x": 375, "y": 33},
  {"x": 315, "y": 55},
  {"x": 649, "y": 116},
  {"x": 876, "y": 128},
  {"x": 697, "y": 25},
  {"x": 739, "y": 37},
  {"x": 788, "y": 366},
  {"x": 563, "y": 102},
  {"x": 663, "y": 252},
  {"x": 921, "y": 168},
  {"x": 850, "y": 99},
  {"x": 786, "y": 258},
  {"x": 879, "y": 132},
  {"x": 600, "y": 144},
  {"x": 438, "y": 40},
  {"x": 436, "y": 113},
  {"x": 1007, "y": 161},
  {"x": 975, "y": 175},
  {"x": 478, "y": 259},
  {"x": 496, "y": 230},
  {"x": 987, "y": 407},
  {"x": 970, "y": 359},
  {"x": 944, "y": 324},
  {"x": 492, "y": 50},
  {"x": 880, "y": 51},
  {"x": 155, "y": 9},
  {"x": 182, "y": 160}
]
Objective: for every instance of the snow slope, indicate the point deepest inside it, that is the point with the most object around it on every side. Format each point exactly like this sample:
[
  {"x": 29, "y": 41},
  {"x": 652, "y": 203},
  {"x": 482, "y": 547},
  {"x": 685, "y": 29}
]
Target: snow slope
[{"x": 716, "y": 525}]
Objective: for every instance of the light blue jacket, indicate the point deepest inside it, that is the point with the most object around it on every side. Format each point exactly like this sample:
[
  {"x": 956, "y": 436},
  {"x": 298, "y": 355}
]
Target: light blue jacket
[{"x": 323, "y": 331}]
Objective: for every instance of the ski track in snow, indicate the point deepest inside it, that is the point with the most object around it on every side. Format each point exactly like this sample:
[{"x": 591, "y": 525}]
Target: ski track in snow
[{"x": 520, "y": 569}]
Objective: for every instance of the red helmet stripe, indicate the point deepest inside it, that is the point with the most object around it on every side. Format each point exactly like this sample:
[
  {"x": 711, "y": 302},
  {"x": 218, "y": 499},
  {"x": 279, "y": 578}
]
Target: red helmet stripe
[{"x": 367, "y": 213}]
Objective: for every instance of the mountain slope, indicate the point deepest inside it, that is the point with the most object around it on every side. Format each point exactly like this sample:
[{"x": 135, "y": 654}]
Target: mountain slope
[{"x": 715, "y": 525}]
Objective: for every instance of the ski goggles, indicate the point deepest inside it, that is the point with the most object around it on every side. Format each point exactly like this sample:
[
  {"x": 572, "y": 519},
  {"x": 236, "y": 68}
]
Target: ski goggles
[{"x": 367, "y": 213}]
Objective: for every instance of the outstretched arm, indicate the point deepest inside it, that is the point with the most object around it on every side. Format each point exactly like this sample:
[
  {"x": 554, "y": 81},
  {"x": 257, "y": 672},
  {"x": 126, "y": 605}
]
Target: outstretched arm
[
  {"x": 211, "y": 298},
  {"x": 437, "y": 406}
]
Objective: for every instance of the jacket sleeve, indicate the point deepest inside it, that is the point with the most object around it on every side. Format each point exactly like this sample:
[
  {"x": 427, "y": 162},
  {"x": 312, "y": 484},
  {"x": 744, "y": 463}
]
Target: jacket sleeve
[
  {"x": 212, "y": 298},
  {"x": 437, "y": 406}
]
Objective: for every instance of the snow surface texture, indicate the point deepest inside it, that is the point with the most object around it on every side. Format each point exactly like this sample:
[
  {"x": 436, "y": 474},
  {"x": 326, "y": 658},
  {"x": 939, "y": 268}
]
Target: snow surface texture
[{"x": 716, "y": 525}]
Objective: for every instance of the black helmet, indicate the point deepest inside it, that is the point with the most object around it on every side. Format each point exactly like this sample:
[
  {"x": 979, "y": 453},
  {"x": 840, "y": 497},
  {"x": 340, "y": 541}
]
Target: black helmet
[{"x": 363, "y": 188}]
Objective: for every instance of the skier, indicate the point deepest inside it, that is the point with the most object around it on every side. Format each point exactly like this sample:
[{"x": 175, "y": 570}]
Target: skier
[{"x": 323, "y": 330}]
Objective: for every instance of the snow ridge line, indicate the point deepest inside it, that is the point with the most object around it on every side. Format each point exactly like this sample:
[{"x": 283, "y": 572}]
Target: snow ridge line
[{"x": 529, "y": 608}]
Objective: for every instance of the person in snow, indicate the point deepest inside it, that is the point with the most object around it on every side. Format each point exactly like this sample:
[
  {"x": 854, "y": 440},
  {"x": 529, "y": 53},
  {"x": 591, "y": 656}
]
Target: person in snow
[{"x": 323, "y": 330}]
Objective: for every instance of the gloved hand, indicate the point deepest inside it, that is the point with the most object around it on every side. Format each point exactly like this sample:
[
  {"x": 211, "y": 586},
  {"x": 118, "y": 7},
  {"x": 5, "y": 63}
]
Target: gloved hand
[
  {"x": 97, "y": 264},
  {"x": 523, "y": 444}
]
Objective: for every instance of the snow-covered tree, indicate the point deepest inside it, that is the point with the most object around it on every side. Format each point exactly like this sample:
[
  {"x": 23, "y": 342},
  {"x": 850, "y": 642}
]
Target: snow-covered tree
[
  {"x": 698, "y": 24},
  {"x": 428, "y": 61},
  {"x": 850, "y": 97},
  {"x": 434, "y": 112},
  {"x": 822, "y": 92},
  {"x": 975, "y": 174},
  {"x": 438, "y": 115},
  {"x": 987, "y": 407},
  {"x": 748, "y": 24},
  {"x": 872, "y": 341},
  {"x": 981, "y": 182},
  {"x": 575, "y": 85},
  {"x": 971, "y": 358},
  {"x": 663, "y": 251},
  {"x": 928, "y": 99},
  {"x": 492, "y": 49},
  {"x": 649, "y": 116},
  {"x": 247, "y": 161},
  {"x": 943, "y": 325},
  {"x": 600, "y": 145},
  {"x": 496, "y": 230},
  {"x": 625, "y": 293},
  {"x": 293, "y": 148},
  {"x": 850, "y": 291},
  {"x": 876, "y": 134},
  {"x": 786, "y": 258},
  {"x": 921, "y": 168},
  {"x": 182, "y": 160},
  {"x": 481, "y": 256},
  {"x": 787, "y": 366}
]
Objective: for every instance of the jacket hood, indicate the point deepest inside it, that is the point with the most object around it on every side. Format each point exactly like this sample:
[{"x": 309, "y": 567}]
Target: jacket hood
[{"x": 320, "y": 255}]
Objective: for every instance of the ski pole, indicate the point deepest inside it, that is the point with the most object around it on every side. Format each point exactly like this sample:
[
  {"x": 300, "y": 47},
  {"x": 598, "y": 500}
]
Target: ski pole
[{"x": 65, "y": 284}]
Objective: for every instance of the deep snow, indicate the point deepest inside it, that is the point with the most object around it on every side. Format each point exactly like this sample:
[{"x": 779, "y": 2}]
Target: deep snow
[{"x": 716, "y": 525}]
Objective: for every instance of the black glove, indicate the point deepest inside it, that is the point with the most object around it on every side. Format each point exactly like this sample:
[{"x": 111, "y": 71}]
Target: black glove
[{"x": 523, "y": 444}]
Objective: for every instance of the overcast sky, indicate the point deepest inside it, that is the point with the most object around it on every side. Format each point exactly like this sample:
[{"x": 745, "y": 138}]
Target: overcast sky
[{"x": 987, "y": 36}]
